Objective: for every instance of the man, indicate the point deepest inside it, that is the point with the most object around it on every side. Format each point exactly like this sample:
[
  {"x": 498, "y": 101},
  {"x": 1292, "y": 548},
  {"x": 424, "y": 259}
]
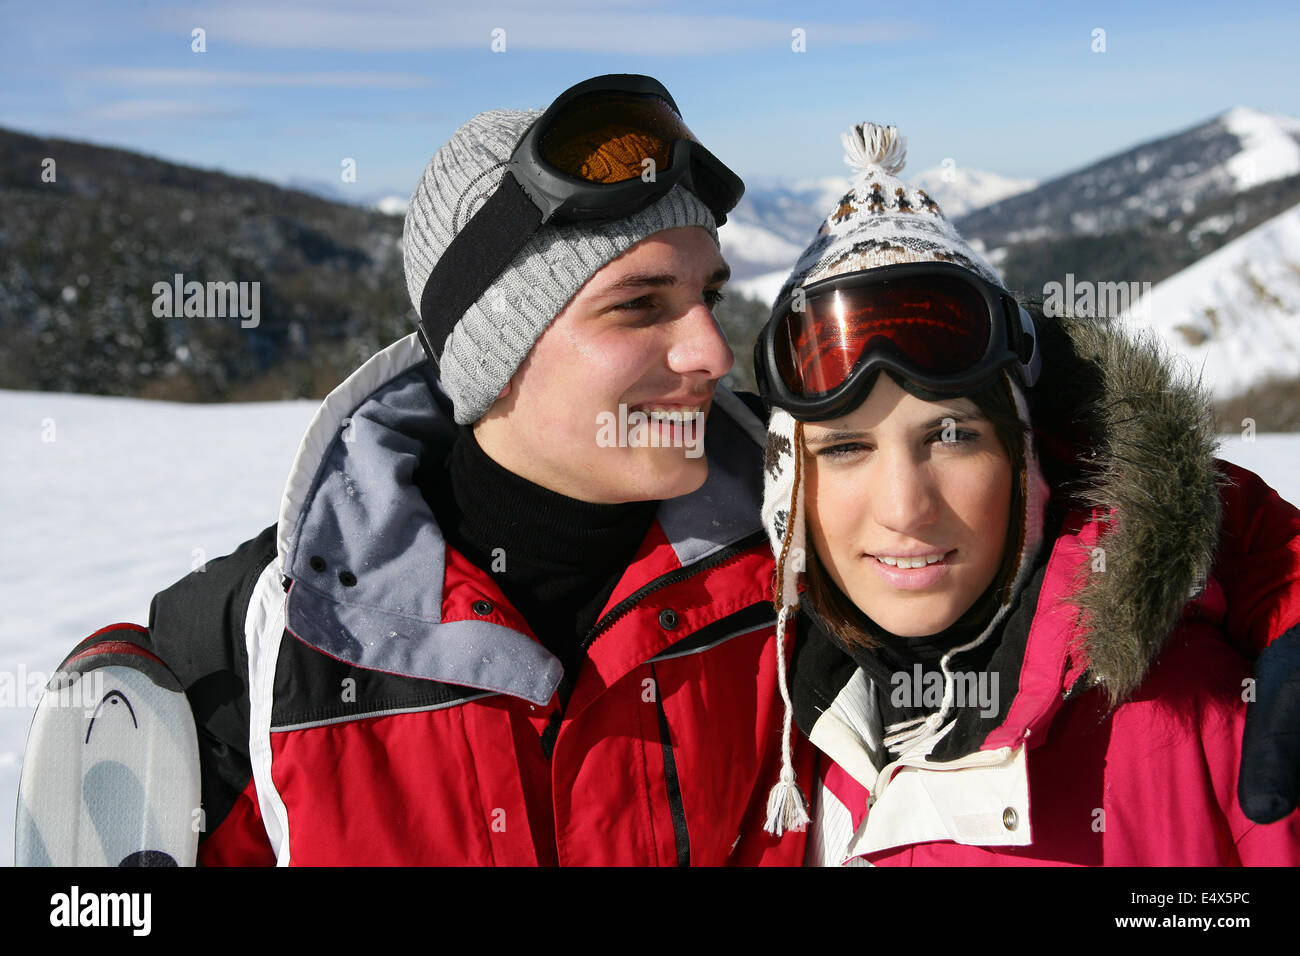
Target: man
[{"x": 517, "y": 606}]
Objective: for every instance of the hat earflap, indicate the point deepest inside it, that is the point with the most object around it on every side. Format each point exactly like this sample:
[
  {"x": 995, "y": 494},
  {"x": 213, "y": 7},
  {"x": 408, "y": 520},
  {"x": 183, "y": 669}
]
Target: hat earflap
[
  {"x": 783, "y": 504},
  {"x": 787, "y": 809}
]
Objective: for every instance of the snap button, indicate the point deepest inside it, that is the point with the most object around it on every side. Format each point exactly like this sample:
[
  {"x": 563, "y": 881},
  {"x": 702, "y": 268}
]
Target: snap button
[
  {"x": 482, "y": 607},
  {"x": 347, "y": 579},
  {"x": 317, "y": 563},
  {"x": 1010, "y": 819},
  {"x": 668, "y": 619}
]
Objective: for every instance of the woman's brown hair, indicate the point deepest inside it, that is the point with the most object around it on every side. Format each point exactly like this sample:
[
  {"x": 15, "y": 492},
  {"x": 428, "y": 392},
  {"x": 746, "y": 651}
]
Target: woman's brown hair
[{"x": 998, "y": 405}]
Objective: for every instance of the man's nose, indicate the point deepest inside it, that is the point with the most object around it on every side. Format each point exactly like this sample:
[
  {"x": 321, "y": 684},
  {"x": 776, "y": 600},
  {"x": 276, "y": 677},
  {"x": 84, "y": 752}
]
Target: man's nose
[{"x": 700, "y": 345}]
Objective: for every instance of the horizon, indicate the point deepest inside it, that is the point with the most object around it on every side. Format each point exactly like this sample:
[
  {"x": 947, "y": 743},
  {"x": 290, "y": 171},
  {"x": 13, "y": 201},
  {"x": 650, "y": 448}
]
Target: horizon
[{"x": 324, "y": 189}]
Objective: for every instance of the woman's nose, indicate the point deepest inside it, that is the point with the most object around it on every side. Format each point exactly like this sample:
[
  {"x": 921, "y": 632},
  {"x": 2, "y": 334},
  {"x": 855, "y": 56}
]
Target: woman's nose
[{"x": 905, "y": 499}]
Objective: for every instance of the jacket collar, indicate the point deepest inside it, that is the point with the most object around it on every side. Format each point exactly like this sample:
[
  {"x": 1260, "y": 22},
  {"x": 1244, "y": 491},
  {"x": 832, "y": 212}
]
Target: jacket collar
[{"x": 368, "y": 562}]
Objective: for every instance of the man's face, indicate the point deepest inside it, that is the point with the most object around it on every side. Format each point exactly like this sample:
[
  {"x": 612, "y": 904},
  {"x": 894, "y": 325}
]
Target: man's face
[{"x": 641, "y": 335}]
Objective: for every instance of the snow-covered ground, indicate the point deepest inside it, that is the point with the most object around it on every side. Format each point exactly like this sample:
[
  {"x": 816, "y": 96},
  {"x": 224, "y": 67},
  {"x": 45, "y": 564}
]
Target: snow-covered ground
[
  {"x": 1233, "y": 314},
  {"x": 105, "y": 501},
  {"x": 1269, "y": 147}
]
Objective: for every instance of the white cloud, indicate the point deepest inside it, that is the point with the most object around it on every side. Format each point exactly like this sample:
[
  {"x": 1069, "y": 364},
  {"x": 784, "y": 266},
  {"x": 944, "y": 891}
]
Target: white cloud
[
  {"x": 156, "y": 109},
  {"x": 571, "y": 25},
  {"x": 170, "y": 77}
]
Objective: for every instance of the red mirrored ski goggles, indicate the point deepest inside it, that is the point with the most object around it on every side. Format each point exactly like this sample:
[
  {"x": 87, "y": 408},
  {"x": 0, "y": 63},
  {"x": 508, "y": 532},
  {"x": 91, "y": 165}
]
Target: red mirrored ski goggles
[{"x": 935, "y": 323}]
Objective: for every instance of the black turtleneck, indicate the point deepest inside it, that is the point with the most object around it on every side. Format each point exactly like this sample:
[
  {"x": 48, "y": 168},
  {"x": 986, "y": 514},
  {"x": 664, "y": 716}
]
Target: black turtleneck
[
  {"x": 818, "y": 671},
  {"x": 562, "y": 557},
  {"x": 894, "y": 654}
]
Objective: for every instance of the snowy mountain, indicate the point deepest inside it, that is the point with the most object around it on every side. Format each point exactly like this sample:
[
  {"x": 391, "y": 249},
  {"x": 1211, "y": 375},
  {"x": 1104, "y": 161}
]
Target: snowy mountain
[
  {"x": 959, "y": 191},
  {"x": 391, "y": 205},
  {"x": 1235, "y": 314},
  {"x": 774, "y": 221},
  {"x": 1235, "y": 151},
  {"x": 385, "y": 202}
]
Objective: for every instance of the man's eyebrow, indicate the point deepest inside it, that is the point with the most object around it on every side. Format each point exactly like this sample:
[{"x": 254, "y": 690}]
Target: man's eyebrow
[
  {"x": 643, "y": 280},
  {"x": 843, "y": 435}
]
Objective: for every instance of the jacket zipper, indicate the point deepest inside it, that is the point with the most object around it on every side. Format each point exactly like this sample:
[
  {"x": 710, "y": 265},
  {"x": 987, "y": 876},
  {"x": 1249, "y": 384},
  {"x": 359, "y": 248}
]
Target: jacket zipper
[
  {"x": 681, "y": 836},
  {"x": 663, "y": 581},
  {"x": 676, "y": 807},
  {"x": 627, "y": 604},
  {"x": 620, "y": 610}
]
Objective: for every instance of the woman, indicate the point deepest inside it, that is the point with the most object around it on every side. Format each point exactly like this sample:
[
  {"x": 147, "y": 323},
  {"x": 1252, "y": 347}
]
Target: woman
[{"x": 1004, "y": 527}]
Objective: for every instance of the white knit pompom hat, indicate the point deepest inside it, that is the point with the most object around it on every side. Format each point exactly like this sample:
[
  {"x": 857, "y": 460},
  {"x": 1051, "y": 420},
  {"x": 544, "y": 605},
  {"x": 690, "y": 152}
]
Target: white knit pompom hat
[{"x": 880, "y": 221}]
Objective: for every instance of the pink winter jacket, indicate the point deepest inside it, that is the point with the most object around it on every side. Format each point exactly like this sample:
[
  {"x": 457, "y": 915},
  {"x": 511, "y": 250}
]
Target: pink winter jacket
[{"x": 1061, "y": 781}]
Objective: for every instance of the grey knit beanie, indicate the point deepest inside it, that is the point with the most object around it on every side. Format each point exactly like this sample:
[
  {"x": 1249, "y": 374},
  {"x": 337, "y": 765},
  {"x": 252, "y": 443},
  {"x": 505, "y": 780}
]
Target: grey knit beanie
[{"x": 495, "y": 334}]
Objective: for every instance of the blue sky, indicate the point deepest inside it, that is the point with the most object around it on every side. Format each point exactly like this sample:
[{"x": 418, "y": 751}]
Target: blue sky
[{"x": 286, "y": 89}]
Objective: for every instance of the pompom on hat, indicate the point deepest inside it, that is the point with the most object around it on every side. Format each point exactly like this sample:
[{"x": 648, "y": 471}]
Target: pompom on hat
[{"x": 880, "y": 221}]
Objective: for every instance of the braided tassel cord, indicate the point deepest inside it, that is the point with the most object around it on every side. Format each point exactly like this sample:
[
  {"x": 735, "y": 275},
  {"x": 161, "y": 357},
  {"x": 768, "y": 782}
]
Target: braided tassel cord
[{"x": 786, "y": 807}]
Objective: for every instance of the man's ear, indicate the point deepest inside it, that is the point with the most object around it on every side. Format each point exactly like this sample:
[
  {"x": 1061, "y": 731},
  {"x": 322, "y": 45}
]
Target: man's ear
[{"x": 504, "y": 392}]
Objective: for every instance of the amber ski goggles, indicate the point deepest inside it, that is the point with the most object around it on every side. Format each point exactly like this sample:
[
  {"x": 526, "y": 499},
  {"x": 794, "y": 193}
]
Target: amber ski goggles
[
  {"x": 605, "y": 149},
  {"x": 937, "y": 324}
]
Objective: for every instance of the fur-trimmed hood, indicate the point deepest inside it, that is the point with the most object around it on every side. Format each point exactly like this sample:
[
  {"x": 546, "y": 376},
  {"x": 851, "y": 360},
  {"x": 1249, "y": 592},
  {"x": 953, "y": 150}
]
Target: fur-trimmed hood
[{"x": 1126, "y": 433}]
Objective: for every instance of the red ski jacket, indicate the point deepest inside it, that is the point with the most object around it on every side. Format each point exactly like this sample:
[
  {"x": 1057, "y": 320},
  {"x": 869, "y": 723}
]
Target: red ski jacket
[{"x": 365, "y": 695}]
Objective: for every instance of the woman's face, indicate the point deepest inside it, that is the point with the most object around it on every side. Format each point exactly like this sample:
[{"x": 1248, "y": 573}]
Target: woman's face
[{"x": 904, "y": 477}]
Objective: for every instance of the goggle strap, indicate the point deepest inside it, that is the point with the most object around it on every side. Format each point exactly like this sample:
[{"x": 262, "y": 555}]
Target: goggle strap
[
  {"x": 1032, "y": 367},
  {"x": 477, "y": 255}
]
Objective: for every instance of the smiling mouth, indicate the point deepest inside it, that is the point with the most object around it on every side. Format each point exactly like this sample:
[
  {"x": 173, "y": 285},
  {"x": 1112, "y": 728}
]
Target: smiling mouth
[
  {"x": 919, "y": 561},
  {"x": 671, "y": 414}
]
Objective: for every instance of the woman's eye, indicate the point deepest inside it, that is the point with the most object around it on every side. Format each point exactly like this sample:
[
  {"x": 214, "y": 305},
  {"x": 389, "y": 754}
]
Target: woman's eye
[
  {"x": 958, "y": 437},
  {"x": 712, "y": 297},
  {"x": 841, "y": 452}
]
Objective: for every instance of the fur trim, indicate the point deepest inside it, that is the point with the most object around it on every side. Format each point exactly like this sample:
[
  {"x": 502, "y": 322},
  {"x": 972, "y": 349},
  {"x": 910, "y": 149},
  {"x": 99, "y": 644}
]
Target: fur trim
[{"x": 1134, "y": 439}]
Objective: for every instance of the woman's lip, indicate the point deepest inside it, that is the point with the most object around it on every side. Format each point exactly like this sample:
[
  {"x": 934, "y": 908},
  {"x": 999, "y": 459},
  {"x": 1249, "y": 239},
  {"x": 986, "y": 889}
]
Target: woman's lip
[{"x": 913, "y": 579}]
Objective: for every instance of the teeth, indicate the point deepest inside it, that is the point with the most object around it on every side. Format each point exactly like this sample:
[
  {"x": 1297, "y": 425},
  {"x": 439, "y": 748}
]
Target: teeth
[
  {"x": 919, "y": 561},
  {"x": 676, "y": 416}
]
